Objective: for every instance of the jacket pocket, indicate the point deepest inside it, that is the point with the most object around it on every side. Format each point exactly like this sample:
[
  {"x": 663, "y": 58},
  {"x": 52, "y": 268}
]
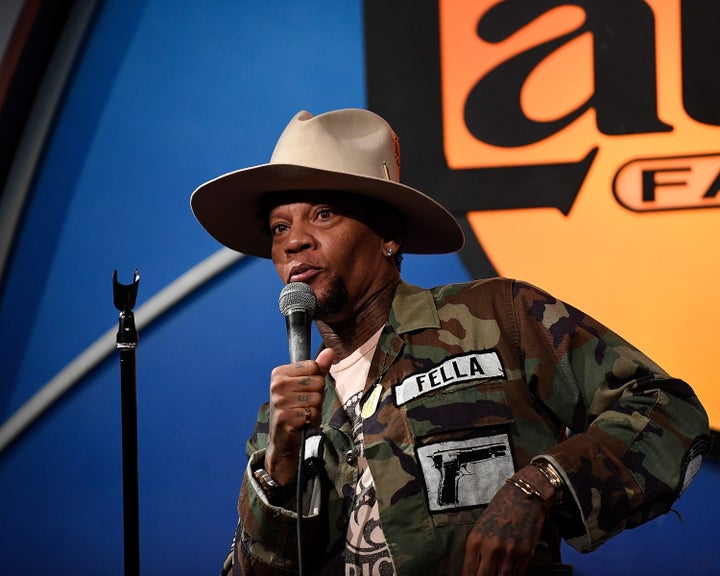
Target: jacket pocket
[{"x": 463, "y": 448}]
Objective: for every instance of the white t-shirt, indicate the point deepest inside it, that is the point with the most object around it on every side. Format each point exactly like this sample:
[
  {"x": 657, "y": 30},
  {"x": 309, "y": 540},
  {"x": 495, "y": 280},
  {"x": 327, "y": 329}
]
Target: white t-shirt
[{"x": 366, "y": 550}]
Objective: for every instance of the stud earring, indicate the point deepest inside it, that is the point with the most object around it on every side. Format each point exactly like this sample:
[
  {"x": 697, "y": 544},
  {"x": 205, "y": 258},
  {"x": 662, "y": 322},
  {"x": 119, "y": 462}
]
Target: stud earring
[{"x": 389, "y": 252}]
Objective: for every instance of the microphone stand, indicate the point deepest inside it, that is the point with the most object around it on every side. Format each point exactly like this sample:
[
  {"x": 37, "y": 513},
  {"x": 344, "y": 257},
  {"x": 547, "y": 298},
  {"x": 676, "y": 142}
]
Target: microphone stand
[{"x": 127, "y": 338}]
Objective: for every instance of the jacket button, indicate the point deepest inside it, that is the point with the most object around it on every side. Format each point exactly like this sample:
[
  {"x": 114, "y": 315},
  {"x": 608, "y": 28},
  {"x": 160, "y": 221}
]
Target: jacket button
[{"x": 350, "y": 457}]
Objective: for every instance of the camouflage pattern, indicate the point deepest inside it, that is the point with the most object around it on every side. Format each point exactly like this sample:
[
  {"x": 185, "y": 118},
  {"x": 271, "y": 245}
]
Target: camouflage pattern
[{"x": 633, "y": 430}]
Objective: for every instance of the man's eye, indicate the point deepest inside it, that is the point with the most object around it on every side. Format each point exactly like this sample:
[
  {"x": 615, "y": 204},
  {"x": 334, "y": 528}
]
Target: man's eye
[
  {"x": 276, "y": 229},
  {"x": 324, "y": 213}
]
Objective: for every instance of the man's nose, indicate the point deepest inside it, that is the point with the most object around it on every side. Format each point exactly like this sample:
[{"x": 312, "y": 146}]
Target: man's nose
[{"x": 300, "y": 238}]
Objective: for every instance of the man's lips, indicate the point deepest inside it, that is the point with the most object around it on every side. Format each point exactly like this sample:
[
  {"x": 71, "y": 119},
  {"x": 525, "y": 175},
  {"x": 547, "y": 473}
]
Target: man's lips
[{"x": 303, "y": 273}]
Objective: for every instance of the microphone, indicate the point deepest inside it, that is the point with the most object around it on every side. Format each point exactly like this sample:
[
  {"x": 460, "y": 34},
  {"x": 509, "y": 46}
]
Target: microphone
[{"x": 297, "y": 303}]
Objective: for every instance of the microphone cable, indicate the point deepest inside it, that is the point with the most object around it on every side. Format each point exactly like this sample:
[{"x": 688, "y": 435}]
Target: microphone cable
[{"x": 299, "y": 505}]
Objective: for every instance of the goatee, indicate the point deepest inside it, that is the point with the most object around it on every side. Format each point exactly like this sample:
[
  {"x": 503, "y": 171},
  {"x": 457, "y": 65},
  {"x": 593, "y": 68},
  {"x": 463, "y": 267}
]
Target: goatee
[{"x": 334, "y": 300}]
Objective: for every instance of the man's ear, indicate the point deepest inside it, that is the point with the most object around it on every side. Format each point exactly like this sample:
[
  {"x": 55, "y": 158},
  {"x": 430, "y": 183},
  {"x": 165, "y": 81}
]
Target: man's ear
[{"x": 391, "y": 247}]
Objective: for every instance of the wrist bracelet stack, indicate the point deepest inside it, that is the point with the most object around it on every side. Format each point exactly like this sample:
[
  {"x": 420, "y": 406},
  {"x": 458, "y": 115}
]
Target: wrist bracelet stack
[
  {"x": 552, "y": 476},
  {"x": 528, "y": 490}
]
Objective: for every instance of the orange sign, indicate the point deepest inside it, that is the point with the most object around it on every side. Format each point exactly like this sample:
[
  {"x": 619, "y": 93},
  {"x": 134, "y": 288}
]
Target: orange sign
[{"x": 622, "y": 87}]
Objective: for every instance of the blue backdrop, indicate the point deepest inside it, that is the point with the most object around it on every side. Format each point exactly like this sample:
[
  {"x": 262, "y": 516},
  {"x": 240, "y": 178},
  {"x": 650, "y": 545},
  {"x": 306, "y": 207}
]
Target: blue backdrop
[{"x": 167, "y": 95}]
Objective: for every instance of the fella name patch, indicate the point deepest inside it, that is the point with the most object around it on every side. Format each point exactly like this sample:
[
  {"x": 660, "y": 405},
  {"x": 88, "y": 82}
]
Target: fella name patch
[{"x": 468, "y": 367}]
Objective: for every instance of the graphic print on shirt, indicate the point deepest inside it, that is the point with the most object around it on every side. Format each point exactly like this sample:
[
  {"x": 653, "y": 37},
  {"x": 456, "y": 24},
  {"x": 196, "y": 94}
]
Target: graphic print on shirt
[
  {"x": 465, "y": 473},
  {"x": 366, "y": 550}
]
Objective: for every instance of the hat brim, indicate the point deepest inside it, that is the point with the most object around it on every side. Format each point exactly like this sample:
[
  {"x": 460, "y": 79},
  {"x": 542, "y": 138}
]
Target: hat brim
[{"x": 228, "y": 207}]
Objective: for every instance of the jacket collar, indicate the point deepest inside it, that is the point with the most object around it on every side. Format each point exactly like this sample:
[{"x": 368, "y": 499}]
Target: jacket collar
[{"x": 413, "y": 308}]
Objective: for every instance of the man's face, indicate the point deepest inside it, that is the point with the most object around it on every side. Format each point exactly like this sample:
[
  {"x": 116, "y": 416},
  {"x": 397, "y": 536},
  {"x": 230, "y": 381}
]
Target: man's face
[{"x": 327, "y": 243}]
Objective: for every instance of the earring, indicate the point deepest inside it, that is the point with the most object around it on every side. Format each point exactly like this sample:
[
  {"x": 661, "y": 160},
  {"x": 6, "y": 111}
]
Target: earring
[{"x": 389, "y": 252}]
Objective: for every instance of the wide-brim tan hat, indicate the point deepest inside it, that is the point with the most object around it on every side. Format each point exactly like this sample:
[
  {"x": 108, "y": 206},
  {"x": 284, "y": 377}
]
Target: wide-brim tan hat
[{"x": 350, "y": 150}]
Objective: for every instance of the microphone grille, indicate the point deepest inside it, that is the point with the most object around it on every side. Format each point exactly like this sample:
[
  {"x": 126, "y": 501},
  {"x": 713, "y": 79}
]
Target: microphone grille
[{"x": 297, "y": 296}]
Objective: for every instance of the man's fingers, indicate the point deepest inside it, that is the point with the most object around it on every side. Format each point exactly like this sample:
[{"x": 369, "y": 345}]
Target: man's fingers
[{"x": 324, "y": 360}]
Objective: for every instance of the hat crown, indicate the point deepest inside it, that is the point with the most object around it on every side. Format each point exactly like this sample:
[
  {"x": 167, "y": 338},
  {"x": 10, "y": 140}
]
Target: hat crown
[
  {"x": 344, "y": 151},
  {"x": 350, "y": 141}
]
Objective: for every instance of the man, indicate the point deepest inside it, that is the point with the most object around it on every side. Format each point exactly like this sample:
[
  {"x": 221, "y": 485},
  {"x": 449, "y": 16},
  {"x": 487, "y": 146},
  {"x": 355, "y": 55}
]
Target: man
[{"x": 459, "y": 430}]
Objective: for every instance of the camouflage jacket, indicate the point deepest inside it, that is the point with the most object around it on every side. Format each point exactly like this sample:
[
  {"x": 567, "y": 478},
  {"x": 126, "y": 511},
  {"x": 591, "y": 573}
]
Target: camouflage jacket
[{"x": 468, "y": 383}]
